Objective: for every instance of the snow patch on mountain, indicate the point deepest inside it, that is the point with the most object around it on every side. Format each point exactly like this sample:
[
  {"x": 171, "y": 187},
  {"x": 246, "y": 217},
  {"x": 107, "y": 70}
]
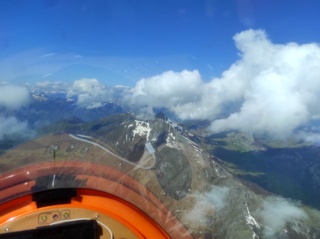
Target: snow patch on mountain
[
  {"x": 142, "y": 129},
  {"x": 251, "y": 221},
  {"x": 39, "y": 97},
  {"x": 170, "y": 140}
]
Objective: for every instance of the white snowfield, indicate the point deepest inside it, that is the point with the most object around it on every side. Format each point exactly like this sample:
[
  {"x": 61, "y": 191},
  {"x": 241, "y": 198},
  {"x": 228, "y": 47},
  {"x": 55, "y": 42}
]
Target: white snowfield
[
  {"x": 252, "y": 222},
  {"x": 142, "y": 128},
  {"x": 170, "y": 140}
]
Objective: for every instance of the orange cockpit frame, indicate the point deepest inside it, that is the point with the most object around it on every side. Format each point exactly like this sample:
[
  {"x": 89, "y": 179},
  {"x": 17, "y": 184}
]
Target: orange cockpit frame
[{"x": 124, "y": 207}]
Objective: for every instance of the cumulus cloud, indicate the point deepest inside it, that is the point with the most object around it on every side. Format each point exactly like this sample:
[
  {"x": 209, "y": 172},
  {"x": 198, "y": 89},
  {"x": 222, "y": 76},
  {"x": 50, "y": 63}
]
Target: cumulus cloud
[
  {"x": 277, "y": 212},
  {"x": 90, "y": 93},
  {"x": 11, "y": 127},
  {"x": 281, "y": 86},
  {"x": 169, "y": 89},
  {"x": 276, "y": 88},
  {"x": 13, "y": 97}
]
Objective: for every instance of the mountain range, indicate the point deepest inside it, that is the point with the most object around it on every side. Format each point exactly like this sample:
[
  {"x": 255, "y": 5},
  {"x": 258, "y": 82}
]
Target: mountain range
[{"x": 229, "y": 185}]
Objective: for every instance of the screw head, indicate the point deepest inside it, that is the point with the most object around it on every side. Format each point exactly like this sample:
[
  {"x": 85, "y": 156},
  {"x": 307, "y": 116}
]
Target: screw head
[
  {"x": 44, "y": 218},
  {"x": 55, "y": 216}
]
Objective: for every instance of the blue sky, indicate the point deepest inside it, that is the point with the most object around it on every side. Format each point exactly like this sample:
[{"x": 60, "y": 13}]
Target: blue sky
[{"x": 119, "y": 42}]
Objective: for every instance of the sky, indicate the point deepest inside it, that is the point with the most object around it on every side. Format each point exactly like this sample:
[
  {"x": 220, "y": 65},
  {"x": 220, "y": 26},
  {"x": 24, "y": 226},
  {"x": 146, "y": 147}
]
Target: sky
[
  {"x": 246, "y": 65},
  {"x": 120, "y": 42}
]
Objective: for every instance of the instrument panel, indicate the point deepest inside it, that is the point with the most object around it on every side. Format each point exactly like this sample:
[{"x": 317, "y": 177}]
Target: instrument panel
[{"x": 110, "y": 227}]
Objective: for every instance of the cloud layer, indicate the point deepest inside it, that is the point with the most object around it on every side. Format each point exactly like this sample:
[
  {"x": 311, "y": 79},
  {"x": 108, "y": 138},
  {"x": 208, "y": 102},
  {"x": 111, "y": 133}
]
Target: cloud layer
[
  {"x": 274, "y": 89},
  {"x": 52, "y": 86}
]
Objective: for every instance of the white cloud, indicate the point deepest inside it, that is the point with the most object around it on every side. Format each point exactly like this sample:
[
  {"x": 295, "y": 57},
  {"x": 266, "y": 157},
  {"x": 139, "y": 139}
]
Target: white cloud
[
  {"x": 52, "y": 85},
  {"x": 14, "y": 97},
  {"x": 281, "y": 86},
  {"x": 207, "y": 203},
  {"x": 276, "y": 213},
  {"x": 89, "y": 92},
  {"x": 169, "y": 89},
  {"x": 276, "y": 86},
  {"x": 11, "y": 127}
]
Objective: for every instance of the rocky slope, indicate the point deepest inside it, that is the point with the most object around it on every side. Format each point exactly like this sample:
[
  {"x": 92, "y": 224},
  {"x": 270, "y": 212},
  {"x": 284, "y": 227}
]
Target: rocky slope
[
  {"x": 176, "y": 166},
  {"x": 209, "y": 200}
]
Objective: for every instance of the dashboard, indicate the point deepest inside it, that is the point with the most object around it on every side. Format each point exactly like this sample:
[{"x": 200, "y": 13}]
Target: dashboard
[{"x": 89, "y": 215}]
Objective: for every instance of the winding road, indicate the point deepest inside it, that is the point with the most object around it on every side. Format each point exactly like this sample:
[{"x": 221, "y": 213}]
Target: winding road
[{"x": 107, "y": 150}]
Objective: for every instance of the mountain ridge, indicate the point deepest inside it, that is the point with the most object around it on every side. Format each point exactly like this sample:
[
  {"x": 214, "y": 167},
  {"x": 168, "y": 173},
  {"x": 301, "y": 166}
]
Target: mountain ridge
[{"x": 193, "y": 173}]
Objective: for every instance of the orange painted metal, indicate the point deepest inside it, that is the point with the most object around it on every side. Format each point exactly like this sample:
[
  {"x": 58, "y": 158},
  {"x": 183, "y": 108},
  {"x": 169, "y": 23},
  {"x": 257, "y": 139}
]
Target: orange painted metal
[
  {"x": 101, "y": 203},
  {"x": 106, "y": 190}
]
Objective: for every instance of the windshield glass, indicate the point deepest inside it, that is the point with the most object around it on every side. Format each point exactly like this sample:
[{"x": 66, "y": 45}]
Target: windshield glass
[{"x": 205, "y": 110}]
